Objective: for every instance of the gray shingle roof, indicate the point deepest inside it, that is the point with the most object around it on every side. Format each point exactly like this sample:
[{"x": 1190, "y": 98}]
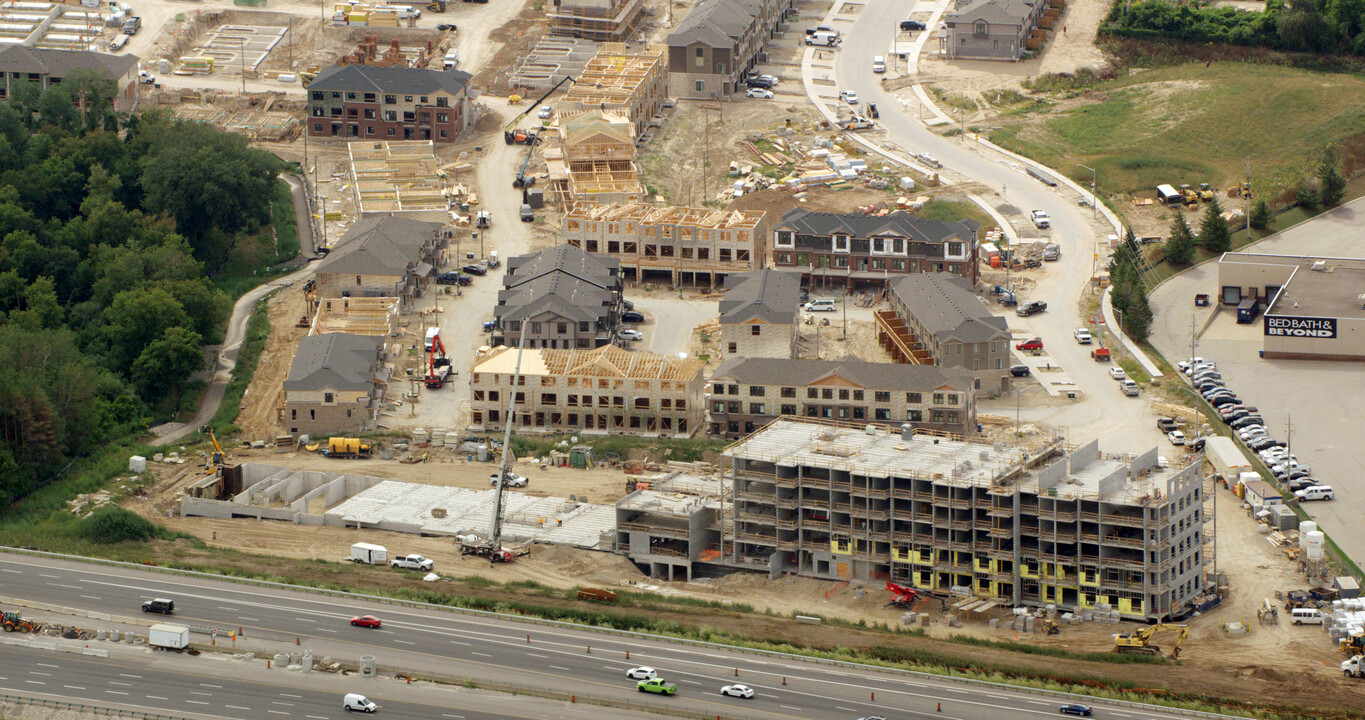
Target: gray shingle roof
[
  {"x": 391, "y": 80},
  {"x": 334, "y": 361},
  {"x": 380, "y": 246},
  {"x": 945, "y": 305},
  {"x": 995, "y": 12},
  {"x": 768, "y": 295},
  {"x": 869, "y": 375},
  {"x": 715, "y": 23},
  {"x": 60, "y": 63},
  {"x": 564, "y": 280},
  {"x": 563, "y": 258},
  {"x": 805, "y": 222}
]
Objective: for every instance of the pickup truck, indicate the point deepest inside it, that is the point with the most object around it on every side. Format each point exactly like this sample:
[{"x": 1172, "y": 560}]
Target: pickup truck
[
  {"x": 1040, "y": 219},
  {"x": 656, "y": 685},
  {"x": 412, "y": 562},
  {"x": 1167, "y": 424}
]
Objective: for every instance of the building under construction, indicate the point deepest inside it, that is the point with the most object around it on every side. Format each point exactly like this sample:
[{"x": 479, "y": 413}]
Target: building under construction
[
  {"x": 604, "y": 391},
  {"x": 594, "y": 159},
  {"x": 632, "y": 83},
  {"x": 698, "y": 246},
  {"x": 1037, "y": 524},
  {"x": 353, "y": 315},
  {"x": 395, "y": 177},
  {"x": 600, "y": 20}
]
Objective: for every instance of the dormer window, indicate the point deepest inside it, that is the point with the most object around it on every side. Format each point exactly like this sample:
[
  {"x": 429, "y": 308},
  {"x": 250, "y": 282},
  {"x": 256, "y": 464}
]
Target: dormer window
[
  {"x": 784, "y": 239},
  {"x": 841, "y": 243},
  {"x": 981, "y": 28}
]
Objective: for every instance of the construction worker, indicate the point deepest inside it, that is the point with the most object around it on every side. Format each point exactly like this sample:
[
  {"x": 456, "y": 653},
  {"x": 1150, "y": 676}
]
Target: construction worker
[
  {"x": 540, "y": 522},
  {"x": 559, "y": 522}
]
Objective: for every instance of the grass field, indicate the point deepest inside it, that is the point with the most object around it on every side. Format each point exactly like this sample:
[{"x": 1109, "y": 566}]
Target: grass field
[{"x": 1188, "y": 124}]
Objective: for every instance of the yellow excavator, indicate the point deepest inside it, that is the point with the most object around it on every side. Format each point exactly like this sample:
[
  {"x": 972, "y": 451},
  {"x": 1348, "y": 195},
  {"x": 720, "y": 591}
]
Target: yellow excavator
[{"x": 1140, "y": 641}]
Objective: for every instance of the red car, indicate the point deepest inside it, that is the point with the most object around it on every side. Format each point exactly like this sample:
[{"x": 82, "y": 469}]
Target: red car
[
  {"x": 1030, "y": 344},
  {"x": 366, "y": 621}
]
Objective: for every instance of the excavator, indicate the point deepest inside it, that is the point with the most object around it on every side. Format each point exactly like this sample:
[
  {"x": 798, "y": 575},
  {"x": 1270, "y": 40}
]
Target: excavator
[
  {"x": 1140, "y": 641},
  {"x": 438, "y": 365},
  {"x": 905, "y": 597}
]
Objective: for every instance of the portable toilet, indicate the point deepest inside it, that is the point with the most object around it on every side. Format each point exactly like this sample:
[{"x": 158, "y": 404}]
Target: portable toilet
[{"x": 580, "y": 456}]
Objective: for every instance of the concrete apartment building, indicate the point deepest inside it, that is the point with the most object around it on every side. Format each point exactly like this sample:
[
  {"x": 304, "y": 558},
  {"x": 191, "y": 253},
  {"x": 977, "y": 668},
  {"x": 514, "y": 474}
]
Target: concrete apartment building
[
  {"x": 598, "y": 20},
  {"x": 633, "y": 83},
  {"x": 336, "y": 384},
  {"x": 748, "y": 393},
  {"x": 1034, "y": 525},
  {"x": 567, "y": 297},
  {"x": 383, "y": 257},
  {"x": 936, "y": 319},
  {"x": 688, "y": 246},
  {"x": 602, "y": 391},
  {"x": 855, "y": 251},
  {"x": 372, "y": 102},
  {"x": 758, "y": 315},
  {"x": 719, "y": 43},
  {"x": 991, "y": 29},
  {"x": 45, "y": 68}
]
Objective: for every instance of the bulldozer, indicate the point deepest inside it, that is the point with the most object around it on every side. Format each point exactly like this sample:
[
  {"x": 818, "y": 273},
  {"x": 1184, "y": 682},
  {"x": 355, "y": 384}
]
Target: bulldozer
[
  {"x": 1049, "y": 625},
  {"x": 12, "y": 622},
  {"x": 437, "y": 6},
  {"x": 1140, "y": 641},
  {"x": 1352, "y": 645},
  {"x": 1188, "y": 196}
]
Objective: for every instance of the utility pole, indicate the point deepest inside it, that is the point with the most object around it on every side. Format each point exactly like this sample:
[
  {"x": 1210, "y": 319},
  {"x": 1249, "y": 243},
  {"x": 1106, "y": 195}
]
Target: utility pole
[
  {"x": 241, "y": 53},
  {"x": 1193, "y": 342},
  {"x": 1094, "y": 199},
  {"x": 1246, "y": 198}
]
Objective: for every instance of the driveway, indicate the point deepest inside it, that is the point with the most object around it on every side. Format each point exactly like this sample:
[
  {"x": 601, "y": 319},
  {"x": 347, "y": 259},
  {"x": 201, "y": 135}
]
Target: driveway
[
  {"x": 669, "y": 320},
  {"x": 1122, "y": 424},
  {"x": 1321, "y": 400}
]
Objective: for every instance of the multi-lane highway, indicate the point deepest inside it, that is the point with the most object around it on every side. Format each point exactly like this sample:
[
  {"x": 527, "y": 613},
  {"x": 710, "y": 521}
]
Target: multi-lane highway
[
  {"x": 1104, "y": 412},
  {"x": 496, "y": 649}
]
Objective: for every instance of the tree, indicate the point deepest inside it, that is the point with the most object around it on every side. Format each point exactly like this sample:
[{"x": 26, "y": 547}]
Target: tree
[
  {"x": 41, "y": 299},
  {"x": 1308, "y": 194},
  {"x": 1214, "y": 234},
  {"x": 1330, "y": 180},
  {"x": 166, "y": 363},
  {"x": 136, "y": 319},
  {"x": 1180, "y": 245},
  {"x": 55, "y": 108},
  {"x": 1260, "y": 215}
]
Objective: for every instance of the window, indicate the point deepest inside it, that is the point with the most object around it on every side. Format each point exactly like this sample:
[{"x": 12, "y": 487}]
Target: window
[
  {"x": 858, "y": 395},
  {"x": 317, "y": 94},
  {"x": 981, "y": 28},
  {"x": 843, "y": 395},
  {"x": 883, "y": 414},
  {"x": 442, "y": 101},
  {"x": 938, "y": 398},
  {"x": 370, "y": 114},
  {"x": 407, "y": 98},
  {"x": 788, "y": 409},
  {"x": 883, "y": 396},
  {"x": 788, "y": 392},
  {"x": 840, "y": 243},
  {"x": 733, "y": 389},
  {"x": 914, "y": 415},
  {"x": 424, "y": 100},
  {"x": 754, "y": 330},
  {"x": 734, "y": 348},
  {"x": 813, "y": 393},
  {"x": 914, "y": 398},
  {"x": 718, "y": 406},
  {"x": 390, "y": 99},
  {"x": 878, "y": 245},
  {"x": 318, "y": 112},
  {"x": 757, "y": 391},
  {"x": 757, "y": 409},
  {"x": 390, "y": 116},
  {"x": 535, "y": 328},
  {"x": 720, "y": 68},
  {"x": 956, "y": 249},
  {"x": 561, "y": 328},
  {"x": 442, "y": 117},
  {"x": 952, "y": 398},
  {"x": 293, "y": 414},
  {"x": 350, "y": 96},
  {"x": 898, "y": 246},
  {"x": 784, "y": 238},
  {"x": 357, "y": 279},
  {"x": 701, "y": 87},
  {"x": 391, "y": 132},
  {"x": 827, "y": 394},
  {"x": 328, "y": 398}
]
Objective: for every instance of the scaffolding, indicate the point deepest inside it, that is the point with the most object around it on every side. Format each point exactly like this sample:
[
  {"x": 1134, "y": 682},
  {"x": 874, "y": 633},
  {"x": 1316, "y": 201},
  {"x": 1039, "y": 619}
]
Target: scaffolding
[
  {"x": 390, "y": 177},
  {"x": 600, "y": 20}
]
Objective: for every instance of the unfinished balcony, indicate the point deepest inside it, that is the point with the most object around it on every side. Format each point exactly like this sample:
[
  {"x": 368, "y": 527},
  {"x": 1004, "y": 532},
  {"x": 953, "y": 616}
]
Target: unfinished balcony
[{"x": 896, "y": 338}]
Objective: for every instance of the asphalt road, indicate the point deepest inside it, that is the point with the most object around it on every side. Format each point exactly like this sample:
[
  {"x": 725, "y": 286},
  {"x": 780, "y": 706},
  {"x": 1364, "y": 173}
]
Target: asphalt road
[
  {"x": 1121, "y": 423},
  {"x": 495, "y": 649}
]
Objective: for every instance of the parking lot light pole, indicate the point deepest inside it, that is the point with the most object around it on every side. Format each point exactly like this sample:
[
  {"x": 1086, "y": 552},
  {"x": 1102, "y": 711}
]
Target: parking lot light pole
[{"x": 1094, "y": 200}]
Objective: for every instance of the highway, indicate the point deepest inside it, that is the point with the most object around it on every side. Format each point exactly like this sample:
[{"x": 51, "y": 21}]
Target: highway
[
  {"x": 1103, "y": 411},
  {"x": 511, "y": 651}
]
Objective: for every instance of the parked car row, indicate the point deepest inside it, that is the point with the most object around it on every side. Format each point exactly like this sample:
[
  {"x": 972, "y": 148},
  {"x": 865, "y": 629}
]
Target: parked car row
[{"x": 1246, "y": 422}]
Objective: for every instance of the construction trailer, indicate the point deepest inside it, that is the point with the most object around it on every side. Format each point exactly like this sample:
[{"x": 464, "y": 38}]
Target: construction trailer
[
  {"x": 686, "y": 245},
  {"x": 603, "y": 391}
]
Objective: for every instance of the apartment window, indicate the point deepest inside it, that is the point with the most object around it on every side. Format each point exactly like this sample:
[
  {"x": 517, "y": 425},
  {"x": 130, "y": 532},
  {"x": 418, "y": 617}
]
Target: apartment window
[
  {"x": 370, "y": 114},
  {"x": 898, "y": 245},
  {"x": 369, "y": 129},
  {"x": 535, "y": 328},
  {"x": 784, "y": 238},
  {"x": 914, "y": 398},
  {"x": 734, "y": 348},
  {"x": 390, "y": 116},
  {"x": 840, "y": 243},
  {"x": 883, "y": 396},
  {"x": 562, "y": 328},
  {"x": 788, "y": 409},
  {"x": 317, "y": 94},
  {"x": 390, "y": 99},
  {"x": 514, "y": 326},
  {"x": 442, "y": 102},
  {"x": 442, "y": 117},
  {"x": 756, "y": 391},
  {"x": 357, "y": 279},
  {"x": 878, "y": 245},
  {"x": 733, "y": 390},
  {"x": 549, "y": 399},
  {"x": 938, "y": 398},
  {"x": 350, "y": 96},
  {"x": 718, "y": 406},
  {"x": 914, "y": 415},
  {"x": 952, "y": 398},
  {"x": 293, "y": 414},
  {"x": 827, "y": 394},
  {"x": 981, "y": 28},
  {"x": 720, "y": 68},
  {"x": 757, "y": 409},
  {"x": 858, "y": 395},
  {"x": 882, "y": 414},
  {"x": 701, "y": 87},
  {"x": 407, "y": 98},
  {"x": 956, "y": 249},
  {"x": 754, "y": 330},
  {"x": 318, "y": 112},
  {"x": 391, "y": 132},
  {"x": 936, "y": 416},
  {"x": 328, "y": 398},
  {"x": 995, "y": 44},
  {"x": 813, "y": 393},
  {"x": 788, "y": 392},
  {"x": 424, "y": 99}
]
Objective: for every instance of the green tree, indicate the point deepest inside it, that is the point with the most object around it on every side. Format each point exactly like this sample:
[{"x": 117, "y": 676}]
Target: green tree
[
  {"x": 41, "y": 299},
  {"x": 1260, "y": 215},
  {"x": 56, "y": 108},
  {"x": 1330, "y": 180},
  {"x": 1308, "y": 194},
  {"x": 166, "y": 363},
  {"x": 1180, "y": 245},
  {"x": 136, "y": 319},
  {"x": 1214, "y": 234}
]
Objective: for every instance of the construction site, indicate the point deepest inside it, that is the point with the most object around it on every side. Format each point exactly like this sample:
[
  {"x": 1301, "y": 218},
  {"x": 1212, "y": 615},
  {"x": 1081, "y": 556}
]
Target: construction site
[{"x": 398, "y": 177}]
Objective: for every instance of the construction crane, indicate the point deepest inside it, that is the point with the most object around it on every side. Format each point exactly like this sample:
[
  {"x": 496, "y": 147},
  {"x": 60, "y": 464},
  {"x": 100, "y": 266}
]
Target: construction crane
[
  {"x": 216, "y": 458},
  {"x": 905, "y": 597},
  {"x": 511, "y": 136},
  {"x": 438, "y": 365},
  {"x": 1140, "y": 641}
]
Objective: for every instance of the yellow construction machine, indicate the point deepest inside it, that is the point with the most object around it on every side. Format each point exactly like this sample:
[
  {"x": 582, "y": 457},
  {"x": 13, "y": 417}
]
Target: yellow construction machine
[
  {"x": 1140, "y": 641},
  {"x": 1352, "y": 644},
  {"x": 217, "y": 458}
]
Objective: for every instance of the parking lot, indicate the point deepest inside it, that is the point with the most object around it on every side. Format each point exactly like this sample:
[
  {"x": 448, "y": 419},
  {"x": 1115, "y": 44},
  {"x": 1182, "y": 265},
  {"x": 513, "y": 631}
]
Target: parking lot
[{"x": 1320, "y": 400}]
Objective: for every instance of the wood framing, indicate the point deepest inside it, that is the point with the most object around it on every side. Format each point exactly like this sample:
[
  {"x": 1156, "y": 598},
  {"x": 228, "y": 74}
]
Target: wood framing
[
  {"x": 633, "y": 83},
  {"x": 600, "y": 20}
]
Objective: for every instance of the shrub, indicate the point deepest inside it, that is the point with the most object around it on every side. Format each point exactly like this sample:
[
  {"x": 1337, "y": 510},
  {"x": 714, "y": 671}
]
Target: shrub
[{"x": 111, "y": 524}]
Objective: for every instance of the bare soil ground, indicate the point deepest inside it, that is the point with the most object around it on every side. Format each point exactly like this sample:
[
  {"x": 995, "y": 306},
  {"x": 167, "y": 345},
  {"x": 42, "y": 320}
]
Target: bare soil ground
[{"x": 257, "y": 418}]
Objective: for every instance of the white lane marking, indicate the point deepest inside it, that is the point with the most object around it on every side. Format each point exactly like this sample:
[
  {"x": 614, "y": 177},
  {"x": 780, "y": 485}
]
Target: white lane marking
[
  {"x": 73, "y": 687},
  {"x": 16, "y": 572},
  {"x": 54, "y": 577},
  {"x": 35, "y": 682},
  {"x": 156, "y": 697},
  {"x": 305, "y": 620},
  {"x": 236, "y": 707},
  {"x": 458, "y": 717},
  {"x": 35, "y": 672},
  {"x": 64, "y": 585},
  {"x": 1037, "y": 702},
  {"x": 487, "y": 655},
  {"x": 386, "y": 632},
  {"x": 137, "y": 677},
  {"x": 405, "y": 642},
  {"x": 317, "y": 717},
  {"x": 278, "y": 712},
  {"x": 220, "y": 687},
  {"x": 327, "y": 630},
  {"x": 247, "y": 618},
  {"x": 91, "y": 597},
  {"x": 1119, "y": 712},
  {"x": 116, "y": 692},
  {"x": 197, "y": 692},
  {"x": 229, "y": 609},
  {"x": 277, "y": 702},
  {"x": 790, "y": 707},
  {"x": 689, "y": 682},
  {"x": 120, "y": 684},
  {"x": 300, "y": 697},
  {"x": 557, "y": 667},
  {"x": 766, "y": 695},
  {"x": 457, "y": 642},
  {"x": 196, "y": 702},
  {"x": 845, "y": 709},
  {"x": 47, "y": 665},
  {"x": 547, "y": 657}
]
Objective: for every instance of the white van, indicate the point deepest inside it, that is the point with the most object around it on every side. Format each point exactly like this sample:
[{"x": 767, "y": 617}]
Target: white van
[
  {"x": 1317, "y": 492},
  {"x": 431, "y": 338},
  {"x": 1306, "y": 616},
  {"x": 879, "y": 64},
  {"x": 820, "y": 306},
  {"x": 356, "y": 701},
  {"x": 823, "y": 39},
  {"x": 452, "y": 60}
]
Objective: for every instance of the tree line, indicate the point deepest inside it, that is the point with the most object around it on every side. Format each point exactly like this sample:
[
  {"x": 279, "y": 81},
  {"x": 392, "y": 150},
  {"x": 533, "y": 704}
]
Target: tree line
[
  {"x": 1312, "y": 26},
  {"x": 111, "y": 227}
]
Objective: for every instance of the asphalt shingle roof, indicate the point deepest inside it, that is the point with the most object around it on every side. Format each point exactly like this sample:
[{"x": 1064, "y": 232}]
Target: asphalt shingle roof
[
  {"x": 390, "y": 80},
  {"x": 565, "y": 280},
  {"x": 380, "y": 246},
  {"x": 60, "y": 63},
  {"x": 715, "y": 23},
  {"x": 334, "y": 361},
  {"x": 768, "y": 295},
  {"x": 945, "y": 305},
  {"x": 869, "y": 375},
  {"x": 805, "y": 222},
  {"x": 995, "y": 12}
]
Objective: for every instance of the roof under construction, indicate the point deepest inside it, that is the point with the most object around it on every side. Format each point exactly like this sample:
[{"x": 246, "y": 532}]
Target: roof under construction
[
  {"x": 400, "y": 176},
  {"x": 614, "y": 75},
  {"x": 608, "y": 361},
  {"x": 704, "y": 218}
]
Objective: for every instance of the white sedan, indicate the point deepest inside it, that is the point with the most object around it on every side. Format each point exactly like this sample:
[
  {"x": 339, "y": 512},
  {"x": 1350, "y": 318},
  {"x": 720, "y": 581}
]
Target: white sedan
[
  {"x": 546, "y": 112},
  {"x": 1176, "y": 437},
  {"x": 1117, "y": 373},
  {"x": 739, "y": 691},
  {"x": 759, "y": 93},
  {"x": 629, "y": 334},
  {"x": 642, "y": 673},
  {"x": 849, "y": 97}
]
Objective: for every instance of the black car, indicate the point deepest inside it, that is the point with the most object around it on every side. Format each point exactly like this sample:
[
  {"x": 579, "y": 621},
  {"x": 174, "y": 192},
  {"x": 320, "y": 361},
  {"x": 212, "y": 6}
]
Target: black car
[
  {"x": 1261, "y": 443},
  {"x": 1297, "y": 474},
  {"x": 1219, "y": 401},
  {"x": 1031, "y": 308},
  {"x": 159, "y": 605},
  {"x": 447, "y": 27},
  {"x": 1296, "y": 484},
  {"x": 474, "y": 270},
  {"x": 453, "y": 278},
  {"x": 630, "y": 316},
  {"x": 627, "y": 304},
  {"x": 1196, "y": 444},
  {"x": 757, "y": 82},
  {"x": 1075, "y": 709},
  {"x": 1019, "y": 370},
  {"x": 1246, "y": 422},
  {"x": 908, "y": 25}
]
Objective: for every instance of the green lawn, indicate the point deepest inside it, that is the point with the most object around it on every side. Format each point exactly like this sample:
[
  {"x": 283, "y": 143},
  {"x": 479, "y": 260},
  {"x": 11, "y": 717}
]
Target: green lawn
[{"x": 1188, "y": 124}]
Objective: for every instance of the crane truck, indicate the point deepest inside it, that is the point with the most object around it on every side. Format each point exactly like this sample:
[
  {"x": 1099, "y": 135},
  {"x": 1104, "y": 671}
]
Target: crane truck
[{"x": 438, "y": 365}]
